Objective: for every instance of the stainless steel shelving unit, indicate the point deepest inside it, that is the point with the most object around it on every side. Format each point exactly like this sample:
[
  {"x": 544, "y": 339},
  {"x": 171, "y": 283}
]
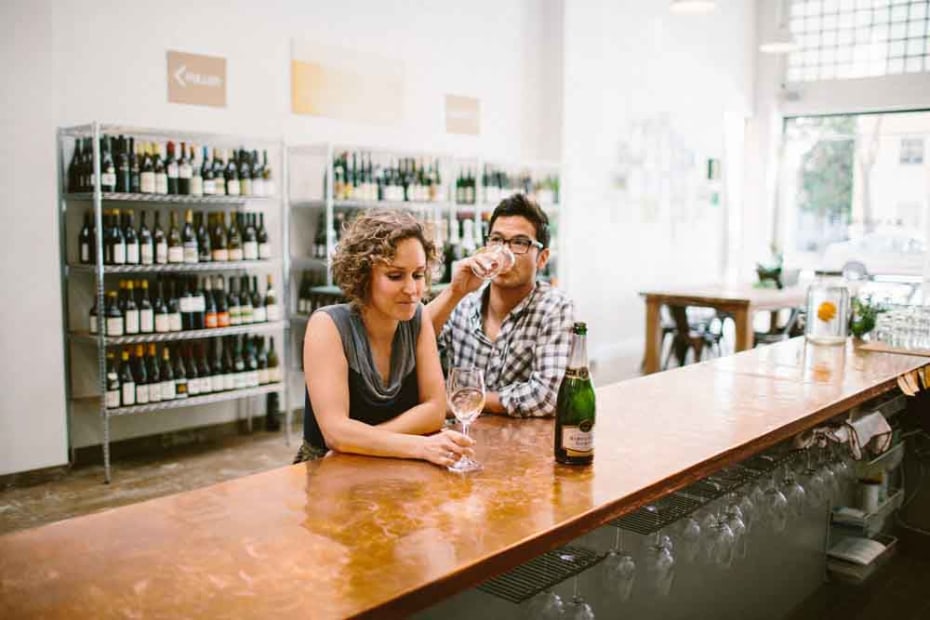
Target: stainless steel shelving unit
[{"x": 65, "y": 138}]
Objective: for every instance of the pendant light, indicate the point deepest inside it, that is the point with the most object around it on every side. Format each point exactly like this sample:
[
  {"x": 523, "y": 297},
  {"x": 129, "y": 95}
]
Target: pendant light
[{"x": 780, "y": 41}]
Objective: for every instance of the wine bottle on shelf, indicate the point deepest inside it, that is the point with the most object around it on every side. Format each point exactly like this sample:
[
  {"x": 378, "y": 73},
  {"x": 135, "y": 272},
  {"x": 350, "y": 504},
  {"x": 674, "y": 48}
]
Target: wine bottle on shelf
[
  {"x": 130, "y": 311},
  {"x": 171, "y": 170},
  {"x": 154, "y": 374},
  {"x": 87, "y": 245},
  {"x": 162, "y": 313},
  {"x": 123, "y": 167},
  {"x": 175, "y": 243},
  {"x": 219, "y": 173},
  {"x": 174, "y": 309},
  {"x": 92, "y": 317},
  {"x": 217, "y": 379},
  {"x": 235, "y": 314},
  {"x": 245, "y": 302},
  {"x": 184, "y": 172},
  {"x": 198, "y": 305},
  {"x": 258, "y": 180},
  {"x": 262, "y": 360},
  {"x": 274, "y": 366},
  {"x": 193, "y": 375},
  {"x": 146, "y": 243},
  {"x": 127, "y": 382},
  {"x": 117, "y": 242},
  {"x": 319, "y": 239},
  {"x": 267, "y": 176},
  {"x": 272, "y": 313},
  {"x": 264, "y": 246},
  {"x": 204, "y": 250},
  {"x": 245, "y": 173},
  {"x": 121, "y": 299},
  {"x": 204, "y": 370},
  {"x": 191, "y": 254},
  {"x": 131, "y": 239},
  {"x": 160, "y": 241},
  {"x": 229, "y": 373},
  {"x": 107, "y": 166},
  {"x": 135, "y": 161},
  {"x": 87, "y": 166},
  {"x": 196, "y": 179},
  {"x": 141, "y": 376},
  {"x": 180, "y": 375},
  {"x": 258, "y": 308},
  {"x": 75, "y": 168},
  {"x": 250, "y": 361},
  {"x": 249, "y": 239},
  {"x": 167, "y": 376},
  {"x": 231, "y": 174},
  {"x": 206, "y": 173},
  {"x": 234, "y": 238},
  {"x": 146, "y": 310},
  {"x": 239, "y": 375},
  {"x": 113, "y": 388},
  {"x": 209, "y": 314},
  {"x": 222, "y": 307},
  {"x": 161, "y": 171},
  {"x": 147, "y": 183},
  {"x": 219, "y": 247},
  {"x": 186, "y": 305}
]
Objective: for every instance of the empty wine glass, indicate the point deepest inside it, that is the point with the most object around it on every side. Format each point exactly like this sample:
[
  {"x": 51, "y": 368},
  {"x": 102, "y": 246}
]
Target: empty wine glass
[
  {"x": 491, "y": 260},
  {"x": 546, "y": 605},
  {"x": 690, "y": 537},
  {"x": 733, "y": 517},
  {"x": 578, "y": 608},
  {"x": 814, "y": 483},
  {"x": 619, "y": 569},
  {"x": 465, "y": 392},
  {"x": 794, "y": 493},
  {"x": 719, "y": 543},
  {"x": 775, "y": 505},
  {"x": 660, "y": 562}
]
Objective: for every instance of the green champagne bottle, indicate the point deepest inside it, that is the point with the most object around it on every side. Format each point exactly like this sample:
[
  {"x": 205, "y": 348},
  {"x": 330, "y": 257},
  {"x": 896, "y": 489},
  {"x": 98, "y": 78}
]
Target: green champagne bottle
[{"x": 575, "y": 407}]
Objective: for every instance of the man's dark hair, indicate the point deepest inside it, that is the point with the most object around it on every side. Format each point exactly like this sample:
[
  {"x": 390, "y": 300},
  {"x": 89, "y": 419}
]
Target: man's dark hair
[{"x": 519, "y": 204}]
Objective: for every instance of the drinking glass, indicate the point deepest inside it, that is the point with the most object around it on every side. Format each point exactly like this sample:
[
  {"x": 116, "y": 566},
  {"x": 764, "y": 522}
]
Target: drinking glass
[
  {"x": 578, "y": 608},
  {"x": 491, "y": 260},
  {"x": 465, "y": 392},
  {"x": 660, "y": 562},
  {"x": 619, "y": 569},
  {"x": 794, "y": 493},
  {"x": 775, "y": 505},
  {"x": 546, "y": 605}
]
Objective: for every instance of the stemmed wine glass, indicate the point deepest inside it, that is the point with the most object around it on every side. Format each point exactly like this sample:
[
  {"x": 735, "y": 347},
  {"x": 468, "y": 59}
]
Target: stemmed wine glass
[
  {"x": 578, "y": 608},
  {"x": 546, "y": 606},
  {"x": 660, "y": 562},
  {"x": 465, "y": 392},
  {"x": 619, "y": 569}
]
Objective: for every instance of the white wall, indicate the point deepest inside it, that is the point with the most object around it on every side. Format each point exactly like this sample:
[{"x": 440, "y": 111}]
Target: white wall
[
  {"x": 77, "y": 61},
  {"x": 626, "y": 63}
]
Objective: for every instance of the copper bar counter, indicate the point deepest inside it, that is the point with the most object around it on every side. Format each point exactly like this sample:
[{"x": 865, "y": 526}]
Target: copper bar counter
[{"x": 349, "y": 536}]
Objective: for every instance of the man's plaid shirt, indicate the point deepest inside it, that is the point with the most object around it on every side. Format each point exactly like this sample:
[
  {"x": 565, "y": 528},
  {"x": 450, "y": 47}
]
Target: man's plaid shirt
[{"x": 526, "y": 363}]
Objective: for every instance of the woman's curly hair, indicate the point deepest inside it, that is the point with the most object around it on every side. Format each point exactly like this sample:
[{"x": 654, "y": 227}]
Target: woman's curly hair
[{"x": 372, "y": 238}]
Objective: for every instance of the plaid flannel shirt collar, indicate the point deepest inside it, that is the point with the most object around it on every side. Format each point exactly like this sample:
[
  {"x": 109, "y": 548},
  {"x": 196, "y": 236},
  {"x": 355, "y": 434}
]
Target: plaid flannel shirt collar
[{"x": 480, "y": 301}]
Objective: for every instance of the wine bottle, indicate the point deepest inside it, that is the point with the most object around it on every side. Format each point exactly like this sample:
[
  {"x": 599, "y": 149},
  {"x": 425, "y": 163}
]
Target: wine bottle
[
  {"x": 123, "y": 167},
  {"x": 234, "y": 238},
  {"x": 175, "y": 244},
  {"x": 258, "y": 307},
  {"x": 209, "y": 315},
  {"x": 180, "y": 375},
  {"x": 232, "y": 176},
  {"x": 575, "y": 406},
  {"x": 217, "y": 379},
  {"x": 117, "y": 242},
  {"x": 198, "y": 305},
  {"x": 245, "y": 302},
  {"x": 135, "y": 163},
  {"x": 171, "y": 170},
  {"x": 93, "y": 317},
  {"x": 141, "y": 376},
  {"x": 204, "y": 249},
  {"x": 127, "y": 382},
  {"x": 229, "y": 372},
  {"x": 258, "y": 180},
  {"x": 235, "y": 316},
  {"x": 174, "y": 309},
  {"x": 206, "y": 172},
  {"x": 160, "y": 241},
  {"x": 161, "y": 172},
  {"x": 167, "y": 376},
  {"x": 113, "y": 389},
  {"x": 162, "y": 314},
  {"x": 272, "y": 313},
  {"x": 147, "y": 170},
  {"x": 131, "y": 239},
  {"x": 87, "y": 245},
  {"x": 146, "y": 243},
  {"x": 219, "y": 247},
  {"x": 184, "y": 172},
  {"x": 274, "y": 366},
  {"x": 267, "y": 176},
  {"x": 154, "y": 374},
  {"x": 222, "y": 309},
  {"x": 249, "y": 239},
  {"x": 245, "y": 174},
  {"x": 264, "y": 246},
  {"x": 130, "y": 311},
  {"x": 239, "y": 371},
  {"x": 250, "y": 361},
  {"x": 189, "y": 239},
  {"x": 107, "y": 166},
  {"x": 193, "y": 375},
  {"x": 75, "y": 169},
  {"x": 203, "y": 370},
  {"x": 186, "y": 306},
  {"x": 262, "y": 360},
  {"x": 88, "y": 180},
  {"x": 219, "y": 172},
  {"x": 146, "y": 310},
  {"x": 319, "y": 239},
  {"x": 114, "y": 324},
  {"x": 196, "y": 178}
]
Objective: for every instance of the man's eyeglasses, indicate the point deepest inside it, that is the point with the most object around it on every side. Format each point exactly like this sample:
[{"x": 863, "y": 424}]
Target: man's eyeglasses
[{"x": 517, "y": 245}]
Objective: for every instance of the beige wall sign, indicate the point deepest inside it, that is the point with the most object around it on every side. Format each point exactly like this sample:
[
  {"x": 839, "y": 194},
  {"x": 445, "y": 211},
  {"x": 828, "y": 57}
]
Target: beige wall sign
[
  {"x": 463, "y": 115},
  {"x": 196, "y": 79}
]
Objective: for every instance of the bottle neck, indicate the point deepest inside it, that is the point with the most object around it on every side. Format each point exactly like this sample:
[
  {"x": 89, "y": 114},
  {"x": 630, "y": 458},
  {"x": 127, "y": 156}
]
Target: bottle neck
[{"x": 579, "y": 352}]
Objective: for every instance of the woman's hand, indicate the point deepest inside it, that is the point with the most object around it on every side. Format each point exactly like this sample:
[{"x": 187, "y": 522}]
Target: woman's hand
[{"x": 446, "y": 447}]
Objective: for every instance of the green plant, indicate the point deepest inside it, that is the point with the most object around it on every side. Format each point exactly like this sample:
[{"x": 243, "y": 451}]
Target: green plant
[{"x": 863, "y": 316}]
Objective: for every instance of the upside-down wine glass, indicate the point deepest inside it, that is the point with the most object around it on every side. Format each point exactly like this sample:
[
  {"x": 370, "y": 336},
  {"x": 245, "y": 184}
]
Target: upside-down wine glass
[{"x": 619, "y": 569}]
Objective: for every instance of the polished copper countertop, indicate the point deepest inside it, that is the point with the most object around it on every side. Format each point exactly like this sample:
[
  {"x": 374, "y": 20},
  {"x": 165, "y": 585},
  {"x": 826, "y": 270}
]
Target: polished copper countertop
[{"x": 355, "y": 536}]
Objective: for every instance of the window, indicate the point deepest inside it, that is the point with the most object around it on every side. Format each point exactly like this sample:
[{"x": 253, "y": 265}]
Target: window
[
  {"x": 843, "y": 194},
  {"x": 912, "y": 151},
  {"x": 842, "y": 39}
]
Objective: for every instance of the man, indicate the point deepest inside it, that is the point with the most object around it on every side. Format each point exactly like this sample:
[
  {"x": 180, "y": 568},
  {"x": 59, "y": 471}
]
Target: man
[{"x": 516, "y": 329}]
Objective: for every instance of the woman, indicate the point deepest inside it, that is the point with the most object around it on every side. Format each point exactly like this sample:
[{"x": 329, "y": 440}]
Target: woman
[{"x": 374, "y": 382}]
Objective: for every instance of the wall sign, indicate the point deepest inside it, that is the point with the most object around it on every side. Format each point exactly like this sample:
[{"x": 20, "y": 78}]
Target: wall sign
[
  {"x": 196, "y": 79},
  {"x": 463, "y": 115}
]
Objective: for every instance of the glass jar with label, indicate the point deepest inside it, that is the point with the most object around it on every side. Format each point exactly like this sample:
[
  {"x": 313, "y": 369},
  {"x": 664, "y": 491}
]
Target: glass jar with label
[{"x": 827, "y": 309}]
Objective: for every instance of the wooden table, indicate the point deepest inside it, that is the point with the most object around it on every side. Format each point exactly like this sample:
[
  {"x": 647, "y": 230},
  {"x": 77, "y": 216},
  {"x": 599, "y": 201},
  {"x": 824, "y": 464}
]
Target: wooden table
[
  {"x": 351, "y": 536},
  {"x": 740, "y": 301}
]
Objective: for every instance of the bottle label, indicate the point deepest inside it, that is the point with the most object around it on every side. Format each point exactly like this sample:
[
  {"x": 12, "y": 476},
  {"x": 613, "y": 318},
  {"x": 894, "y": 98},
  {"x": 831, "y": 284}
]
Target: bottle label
[
  {"x": 146, "y": 321},
  {"x": 217, "y": 384},
  {"x": 174, "y": 322},
  {"x": 250, "y": 250},
  {"x": 258, "y": 314},
  {"x": 272, "y": 312},
  {"x": 235, "y": 317},
  {"x": 229, "y": 381},
  {"x": 114, "y": 326},
  {"x": 186, "y": 304},
  {"x": 274, "y": 374},
  {"x": 209, "y": 187},
  {"x": 132, "y": 321},
  {"x": 167, "y": 390},
  {"x": 263, "y": 377},
  {"x": 197, "y": 186},
  {"x": 241, "y": 380},
  {"x": 147, "y": 182},
  {"x": 129, "y": 393},
  {"x": 155, "y": 392},
  {"x": 108, "y": 179},
  {"x": 220, "y": 255},
  {"x": 85, "y": 252},
  {"x": 173, "y": 170},
  {"x": 578, "y": 440},
  {"x": 142, "y": 394},
  {"x": 161, "y": 183},
  {"x": 184, "y": 172},
  {"x": 245, "y": 187},
  {"x": 198, "y": 303},
  {"x": 132, "y": 254},
  {"x": 93, "y": 323},
  {"x": 119, "y": 253},
  {"x": 209, "y": 320},
  {"x": 190, "y": 253},
  {"x": 235, "y": 254},
  {"x": 161, "y": 253},
  {"x": 180, "y": 388},
  {"x": 176, "y": 254},
  {"x": 232, "y": 188},
  {"x": 251, "y": 378},
  {"x": 147, "y": 253},
  {"x": 222, "y": 319},
  {"x": 112, "y": 399},
  {"x": 193, "y": 387},
  {"x": 264, "y": 251},
  {"x": 162, "y": 324}
]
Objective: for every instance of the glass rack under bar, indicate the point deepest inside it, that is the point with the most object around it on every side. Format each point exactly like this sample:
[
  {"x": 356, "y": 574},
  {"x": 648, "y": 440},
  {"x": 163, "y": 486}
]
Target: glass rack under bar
[
  {"x": 172, "y": 198},
  {"x": 191, "y": 334},
  {"x": 241, "y": 265},
  {"x": 192, "y": 401}
]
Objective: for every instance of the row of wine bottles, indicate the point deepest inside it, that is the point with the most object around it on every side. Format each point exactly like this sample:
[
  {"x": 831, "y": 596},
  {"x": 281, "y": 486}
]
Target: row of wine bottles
[
  {"x": 199, "y": 240},
  {"x": 392, "y": 179},
  {"x": 498, "y": 184},
  {"x": 194, "y": 369},
  {"x": 309, "y": 299},
  {"x": 185, "y": 303},
  {"x": 138, "y": 167}
]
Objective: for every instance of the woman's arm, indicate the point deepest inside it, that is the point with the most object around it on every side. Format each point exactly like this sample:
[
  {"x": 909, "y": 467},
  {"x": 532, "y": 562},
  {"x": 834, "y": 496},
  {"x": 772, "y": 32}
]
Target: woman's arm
[{"x": 326, "y": 373}]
